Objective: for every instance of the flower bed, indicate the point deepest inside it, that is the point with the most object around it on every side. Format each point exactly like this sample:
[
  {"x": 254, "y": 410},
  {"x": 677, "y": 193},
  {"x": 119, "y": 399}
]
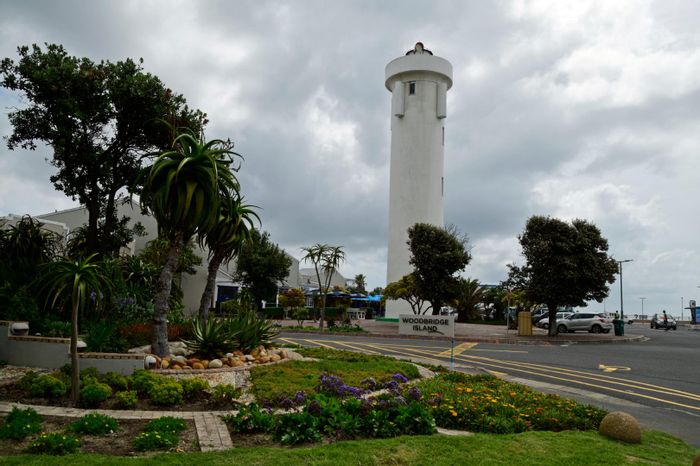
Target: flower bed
[{"x": 488, "y": 404}]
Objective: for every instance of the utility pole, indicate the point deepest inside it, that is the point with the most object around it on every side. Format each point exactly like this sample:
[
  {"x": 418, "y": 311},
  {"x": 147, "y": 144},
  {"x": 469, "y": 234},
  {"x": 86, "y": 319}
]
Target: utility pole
[
  {"x": 622, "y": 305},
  {"x": 642, "y": 307}
]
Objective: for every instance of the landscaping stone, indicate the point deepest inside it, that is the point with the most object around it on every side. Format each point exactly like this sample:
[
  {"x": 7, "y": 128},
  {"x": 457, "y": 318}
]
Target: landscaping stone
[
  {"x": 249, "y": 358},
  {"x": 275, "y": 357},
  {"x": 150, "y": 362},
  {"x": 165, "y": 364},
  {"x": 215, "y": 364},
  {"x": 621, "y": 426},
  {"x": 197, "y": 365},
  {"x": 291, "y": 355},
  {"x": 696, "y": 461}
]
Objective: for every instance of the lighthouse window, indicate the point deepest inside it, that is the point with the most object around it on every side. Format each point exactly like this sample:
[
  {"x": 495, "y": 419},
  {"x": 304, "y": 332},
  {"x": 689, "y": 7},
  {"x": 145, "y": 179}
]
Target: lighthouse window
[
  {"x": 443, "y": 135},
  {"x": 442, "y": 186},
  {"x": 411, "y": 88}
]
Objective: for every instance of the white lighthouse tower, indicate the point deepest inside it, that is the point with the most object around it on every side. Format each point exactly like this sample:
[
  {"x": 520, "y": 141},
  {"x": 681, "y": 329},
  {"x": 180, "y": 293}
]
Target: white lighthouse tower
[{"x": 418, "y": 83}]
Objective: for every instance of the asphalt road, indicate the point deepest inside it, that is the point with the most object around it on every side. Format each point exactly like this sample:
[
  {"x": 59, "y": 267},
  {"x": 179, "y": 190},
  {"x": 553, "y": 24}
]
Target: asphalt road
[{"x": 656, "y": 380}]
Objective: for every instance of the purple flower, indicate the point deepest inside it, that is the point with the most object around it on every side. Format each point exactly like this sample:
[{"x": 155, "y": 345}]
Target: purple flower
[
  {"x": 93, "y": 295},
  {"x": 435, "y": 400},
  {"x": 300, "y": 398},
  {"x": 314, "y": 408},
  {"x": 369, "y": 383},
  {"x": 414, "y": 393},
  {"x": 391, "y": 385},
  {"x": 399, "y": 378},
  {"x": 399, "y": 400},
  {"x": 285, "y": 403}
]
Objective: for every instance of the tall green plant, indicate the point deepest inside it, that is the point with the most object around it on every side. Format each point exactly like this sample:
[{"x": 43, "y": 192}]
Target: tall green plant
[
  {"x": 71, "y": 281},
  {"x": 224, "y": 241},
  {"x": 182, "y": 190},
  {"x": 251, "y": 331}
]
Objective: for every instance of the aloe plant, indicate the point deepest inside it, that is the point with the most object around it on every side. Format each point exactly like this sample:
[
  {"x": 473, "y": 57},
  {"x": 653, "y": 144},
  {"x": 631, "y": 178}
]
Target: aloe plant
[
  {"x": 211, "y": 338},
  {"x": 251, "y": 331}
]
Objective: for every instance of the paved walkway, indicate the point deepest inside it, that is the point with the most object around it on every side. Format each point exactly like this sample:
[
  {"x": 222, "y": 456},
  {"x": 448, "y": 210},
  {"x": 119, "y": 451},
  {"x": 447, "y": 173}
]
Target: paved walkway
[
  {"x": 482, "y": 333},
  {"x": 211, "y": 430}
]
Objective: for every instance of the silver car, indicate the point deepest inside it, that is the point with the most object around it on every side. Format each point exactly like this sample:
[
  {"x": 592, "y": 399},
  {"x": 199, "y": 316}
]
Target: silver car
[
  {"x": 544, "y": 323},
  {"x": 588, "y": 321}
]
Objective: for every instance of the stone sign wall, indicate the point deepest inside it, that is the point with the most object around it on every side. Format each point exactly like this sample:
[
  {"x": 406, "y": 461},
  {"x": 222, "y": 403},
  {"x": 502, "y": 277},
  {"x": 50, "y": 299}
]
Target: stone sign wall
[{"x": 432, "y": 326}]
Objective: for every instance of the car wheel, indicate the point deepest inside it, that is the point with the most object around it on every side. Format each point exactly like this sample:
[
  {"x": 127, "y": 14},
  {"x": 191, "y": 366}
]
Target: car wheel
[
  {"x": 674, "y": 328},
  {"x": 561, "y": 329},
  {"x": 651, "y": 325},
  {"x": 607, "y": 330},
  {"x": 596, "y": 329},
  {"x": 545, "y": 326}
]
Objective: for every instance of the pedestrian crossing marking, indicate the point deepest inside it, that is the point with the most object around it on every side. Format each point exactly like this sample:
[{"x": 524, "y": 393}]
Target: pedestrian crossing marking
[{"x": 459, "y": 349}]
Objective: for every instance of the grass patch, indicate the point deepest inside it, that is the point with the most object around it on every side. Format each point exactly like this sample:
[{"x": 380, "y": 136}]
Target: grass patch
[
  {"x": 530, "y": 448},
  {"x": 284, "y": 380}
]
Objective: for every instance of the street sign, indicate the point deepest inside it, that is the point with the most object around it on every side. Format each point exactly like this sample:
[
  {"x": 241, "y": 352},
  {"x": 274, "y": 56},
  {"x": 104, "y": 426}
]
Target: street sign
[{"x": 414, "y": 324}]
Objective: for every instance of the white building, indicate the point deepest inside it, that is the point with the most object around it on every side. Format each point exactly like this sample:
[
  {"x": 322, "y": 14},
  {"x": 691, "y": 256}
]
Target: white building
[
  {"x": 64, "y": 222},
  {"x": 418, "y": 83}
]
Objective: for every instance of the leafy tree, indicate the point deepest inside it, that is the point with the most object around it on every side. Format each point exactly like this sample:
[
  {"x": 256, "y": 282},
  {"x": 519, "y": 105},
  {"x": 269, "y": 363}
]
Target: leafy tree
[
  {"x": 406, "y": 289},
  {"x": 497, "y": 299},
  {"x": 225, "y": 241},
  {"x": 182, "y": 190},
  {"x": 437, "y": 254},
  {"x": 470, "y": 294},
  {"x": 261, "y": 266},
  {"x": 70, "y": 280},
  {"x": 99, "y": 119},
  {"x": 326, "y": 259},
  {"x": 377, "y": 291},
  {"x": 292, "y": 298},
  {"x": 566, "y": 264}
]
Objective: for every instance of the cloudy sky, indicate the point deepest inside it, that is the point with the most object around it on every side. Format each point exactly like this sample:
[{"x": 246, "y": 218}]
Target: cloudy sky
[{"x": 578, "y": 109}]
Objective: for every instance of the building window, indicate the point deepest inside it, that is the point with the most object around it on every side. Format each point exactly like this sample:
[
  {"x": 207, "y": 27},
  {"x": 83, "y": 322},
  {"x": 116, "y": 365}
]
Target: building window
[
  {"x": 411, "y": 88},
  {"x": 443, "y": 135},
  {"x": 442, "y": 186}
]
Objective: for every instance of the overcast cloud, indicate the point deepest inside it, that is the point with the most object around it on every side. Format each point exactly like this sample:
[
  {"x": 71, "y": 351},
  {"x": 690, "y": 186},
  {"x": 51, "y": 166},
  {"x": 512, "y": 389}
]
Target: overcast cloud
[{"x": 578, "y": 109}]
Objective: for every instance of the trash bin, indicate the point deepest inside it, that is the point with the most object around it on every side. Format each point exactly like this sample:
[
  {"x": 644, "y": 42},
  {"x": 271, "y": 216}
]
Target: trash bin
[
  {"x": 619, "y": 325},
  {"x": 524, "y": 323}
]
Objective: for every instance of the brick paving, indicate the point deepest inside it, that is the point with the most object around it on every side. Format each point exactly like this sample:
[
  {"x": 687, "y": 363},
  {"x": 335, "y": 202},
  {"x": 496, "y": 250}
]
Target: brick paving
[{"x": 211, "y": 430}]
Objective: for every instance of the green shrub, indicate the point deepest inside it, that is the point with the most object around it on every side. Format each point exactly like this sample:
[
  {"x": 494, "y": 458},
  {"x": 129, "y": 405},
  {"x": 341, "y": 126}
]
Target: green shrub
[
  {"x": 142, "y": 380},
  {"x": 211, "y": 338},
  {"x": 193, "y": 387},
  {"x": 56, "y": 328},
  {"x": 300, "y": 314},
  {"x": 379, "y": 423},
  {"x": 116, "y": 381},
  {"x": 94, "y": 393},
  {"x": 250, "y": 419},
  {"x": 25, "y": 383},
  {"x": 225, "y": 394},
  {"x": 20, "y": 423},
  {"x": 339, "y": 419},
  {"x": 296, "y": 428},
  {"x": 250, "y": 331},
  {"x": 87, "y": 374},
  {"x": 415, "y": 419},
  {"x": 48, "y": 387},
  {"x": 54, "y": 444},
  {"x": 126, "y": 399},
  {"x": 166, "y": 392},
  {"x": 94, "y": 424},
  {"x": 148, "y": 441},
  {"x": 170, "y": 424},
  {"x": 273, "y": 312},
  {"x": 104, "y": 337}
]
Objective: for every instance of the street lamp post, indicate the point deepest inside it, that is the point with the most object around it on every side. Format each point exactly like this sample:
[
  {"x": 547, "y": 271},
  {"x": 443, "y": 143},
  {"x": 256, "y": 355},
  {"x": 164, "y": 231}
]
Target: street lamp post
[
  {"x": 642, "y": 317},
  {"x": 622, "y": 305}
]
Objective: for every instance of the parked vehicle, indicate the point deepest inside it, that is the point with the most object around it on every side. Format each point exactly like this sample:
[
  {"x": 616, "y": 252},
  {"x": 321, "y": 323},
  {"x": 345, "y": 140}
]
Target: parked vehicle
[
  {"x": 544, "y": 322},
  {"x": 588, "y": 321},
  {"x": 657, "y": 322}
]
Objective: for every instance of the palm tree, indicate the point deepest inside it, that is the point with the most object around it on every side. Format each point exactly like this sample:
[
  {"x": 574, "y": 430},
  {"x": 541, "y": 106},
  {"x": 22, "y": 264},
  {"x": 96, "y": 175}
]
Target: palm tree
[
  {"x": 469, "y": 295},
  {"x": 325, "y": 258},
  {"x": 224, "y": 241},
  {"x": 360, "y": 282},
  {"x": 70, "y": 280},
  {"x": 182, "y": 190}
]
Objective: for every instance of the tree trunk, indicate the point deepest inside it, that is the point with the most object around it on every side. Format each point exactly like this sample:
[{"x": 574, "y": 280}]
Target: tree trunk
[
  {"x": 437, "y": 305},
  {"x": 159, "y": 342},
  {"x": 208, "y": 294},
  {"x": 110, "y": 222},
  {"x": 91, "y": 239},
  {"x": 75, "y": 370},
  {"x": 552, "y": 317}
]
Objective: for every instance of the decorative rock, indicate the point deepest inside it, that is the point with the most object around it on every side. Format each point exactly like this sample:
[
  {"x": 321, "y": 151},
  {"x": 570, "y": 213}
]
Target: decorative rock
[
  {"x": 275, "y": 357},
  {"x": 192, "y": 361},
  {"x": 229, "y": 355},
  {"x": 263, "y": 360},
  {"x": 180, "y": 359},
  {"x": 176, "y": 367},
  {"x": 186, "y": 368},
  {"x": 237, "y": 363},
  {"x": 215, "y": 364},
  {"x": 238, "y": 353},
  {"x": 150, "y": 362},
  {"x": 197, "y": 365},
  {"x": 621, "y": 426},
  {"x": 179, "y": 351},
  {"x": 249, "y": 358},
  {"x": 292, "y": 355},
  {"x": 205, "y": 363},
  {"x": 164, "y": 364}
]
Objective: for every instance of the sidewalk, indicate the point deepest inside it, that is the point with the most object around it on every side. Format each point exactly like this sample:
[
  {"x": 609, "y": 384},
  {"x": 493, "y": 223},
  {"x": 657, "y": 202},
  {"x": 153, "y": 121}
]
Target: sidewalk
[{"x": 482, "y": 333}]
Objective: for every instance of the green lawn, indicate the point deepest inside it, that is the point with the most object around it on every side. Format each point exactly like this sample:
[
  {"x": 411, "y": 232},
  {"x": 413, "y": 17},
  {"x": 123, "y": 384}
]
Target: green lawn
[
  {"x": 531, "y": 448},
  {"x": 277, "y": 380}
]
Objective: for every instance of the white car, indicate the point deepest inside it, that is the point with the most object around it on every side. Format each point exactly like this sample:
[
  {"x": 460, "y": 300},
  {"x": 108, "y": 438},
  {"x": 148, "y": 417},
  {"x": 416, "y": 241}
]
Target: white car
[
  {"x": 544, "y": 323},
  {"x": 588, "y": 321}
]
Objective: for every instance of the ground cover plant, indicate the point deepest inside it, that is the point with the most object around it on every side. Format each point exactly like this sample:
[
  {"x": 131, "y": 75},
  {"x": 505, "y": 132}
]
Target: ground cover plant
[
  {"x": 94, "y": 424},
  {"x": 160, "y": 434},
  {"x": 20, "y": 423},
  {"x": 484, "y": 403},
  {"x": 285, "y": 380}
]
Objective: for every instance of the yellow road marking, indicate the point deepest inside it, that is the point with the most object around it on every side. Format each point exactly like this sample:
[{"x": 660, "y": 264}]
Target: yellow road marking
[
  {"x": 605, "y": 368},
  {"x": 362, "y": 350},
  {"x": 316, "y": 342},
  {"x": 459, "y": 349}
]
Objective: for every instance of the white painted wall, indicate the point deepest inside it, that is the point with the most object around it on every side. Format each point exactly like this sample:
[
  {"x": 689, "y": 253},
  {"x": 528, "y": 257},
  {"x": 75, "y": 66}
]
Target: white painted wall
[{"x": 417, "y": 155}]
